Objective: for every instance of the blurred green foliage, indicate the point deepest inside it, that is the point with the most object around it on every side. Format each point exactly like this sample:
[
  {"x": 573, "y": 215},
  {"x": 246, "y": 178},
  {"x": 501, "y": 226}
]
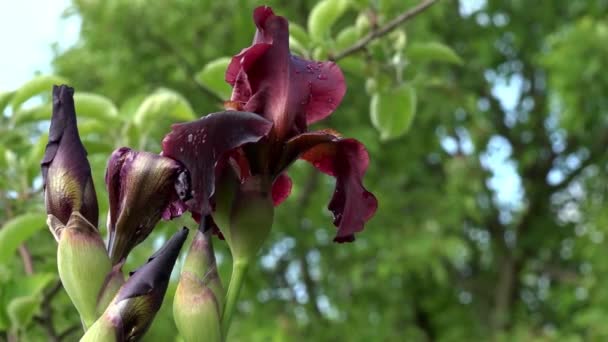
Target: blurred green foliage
[{"x": 455, "y": 252}]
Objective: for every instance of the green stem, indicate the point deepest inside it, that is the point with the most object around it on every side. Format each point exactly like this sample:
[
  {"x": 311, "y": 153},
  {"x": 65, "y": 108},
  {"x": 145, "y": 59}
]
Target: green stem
[{"x": 239, "y": 268}]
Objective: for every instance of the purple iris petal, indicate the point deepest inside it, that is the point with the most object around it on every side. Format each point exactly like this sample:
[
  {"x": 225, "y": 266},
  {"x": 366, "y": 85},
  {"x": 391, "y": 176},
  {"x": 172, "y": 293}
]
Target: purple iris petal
[{"x": 200, "y": 144}]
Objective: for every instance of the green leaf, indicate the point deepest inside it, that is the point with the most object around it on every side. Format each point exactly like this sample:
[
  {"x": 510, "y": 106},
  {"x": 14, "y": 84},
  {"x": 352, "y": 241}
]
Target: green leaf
[
  {"x": 33, "y": 114},
  {"x": 164, "y": 103},
  {"x": 21, "y": 310},
  {"x": 34, "y": 87},
  {"x": 95, "y": 106},
  {"x": 213, "y": 77},
  {"x": 5, "y": 98},
  {"x": 13, "y": 307},
  {"x": 432, "y": 51},
  {"x": 299, "y": 34},
  {"x": 393, "y": 111},
  {"x": 18, "y": 230},
  {"x": 323, "y": 16},
  {"x": 29, "y": 285},
  {"x": 347, "y": 37},
  {"x": 35, "y": 156}
]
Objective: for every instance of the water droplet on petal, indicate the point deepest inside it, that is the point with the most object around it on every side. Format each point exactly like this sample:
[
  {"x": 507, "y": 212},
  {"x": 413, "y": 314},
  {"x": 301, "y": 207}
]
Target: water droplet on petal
[
  {"x": 322, "y": 77},
  {"x": 190, "y": 137}
]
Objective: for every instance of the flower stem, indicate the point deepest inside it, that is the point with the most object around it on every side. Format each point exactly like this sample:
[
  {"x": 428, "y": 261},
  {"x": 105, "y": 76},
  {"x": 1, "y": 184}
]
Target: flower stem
[{"x": 239, "y": 268}]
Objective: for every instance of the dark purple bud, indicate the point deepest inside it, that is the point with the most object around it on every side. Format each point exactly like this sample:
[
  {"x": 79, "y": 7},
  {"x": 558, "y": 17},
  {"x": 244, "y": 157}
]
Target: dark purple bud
[
  {"x": 66, "y": 172},
  {"x": 133, "y": 309},
  {"x": 200, "y": 144},
  {"x": 141, "y": 188}
]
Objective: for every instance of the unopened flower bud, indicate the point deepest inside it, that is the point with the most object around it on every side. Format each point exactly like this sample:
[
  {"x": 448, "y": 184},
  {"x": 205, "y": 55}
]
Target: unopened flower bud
[
  {"x": 113, "y": 281},
  {"x": 133, "y": 308},
  {"x": 244, "y": 214},
  {"x": 66, "y": 172},
  {"x": 198, "y": 303},
  {"x": 82, "y": 261},
  {"x": 141, "y": 189}
]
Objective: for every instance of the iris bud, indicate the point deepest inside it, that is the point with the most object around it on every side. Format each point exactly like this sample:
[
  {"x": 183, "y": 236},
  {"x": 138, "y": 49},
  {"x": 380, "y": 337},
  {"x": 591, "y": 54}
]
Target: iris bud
[
  {"x": 82, "y": 261},
  {"x": 198, "y": 303}
]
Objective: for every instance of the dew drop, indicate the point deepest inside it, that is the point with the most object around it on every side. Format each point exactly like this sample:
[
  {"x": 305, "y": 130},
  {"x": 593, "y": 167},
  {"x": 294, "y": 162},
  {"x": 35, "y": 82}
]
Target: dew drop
[
  {"x": 322, "y": 77},
  {"x": 190, "y": 137}
]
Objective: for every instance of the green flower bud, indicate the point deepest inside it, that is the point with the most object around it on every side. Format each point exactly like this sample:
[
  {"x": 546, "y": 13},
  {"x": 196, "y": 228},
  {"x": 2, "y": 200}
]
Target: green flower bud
[
  {"x": 244, "y": 214},
  {"x": 198, "y": 303},
  {"x": 82, "y": 261},
  {"x": 114, "y": 280}
]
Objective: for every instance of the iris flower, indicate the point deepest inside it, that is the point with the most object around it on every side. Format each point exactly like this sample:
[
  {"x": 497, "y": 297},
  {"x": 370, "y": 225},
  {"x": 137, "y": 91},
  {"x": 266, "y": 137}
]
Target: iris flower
[{"x": 275, "y": 97}]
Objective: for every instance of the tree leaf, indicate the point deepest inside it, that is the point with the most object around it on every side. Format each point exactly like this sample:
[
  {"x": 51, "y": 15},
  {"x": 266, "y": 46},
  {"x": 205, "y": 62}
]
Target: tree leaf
[
  {"x": 35, "y": 156},
  {"x": 213, "y": 77},
  {"x": 18, "y": 230},
  {"x": 21, "y": 310},
  {"x": 95, "y": 106},
  {"x": 347, "y": 37},
  {"x": 5, "y": 98},
  {"x": 323, "y": 16},
  {"x": 34, "y": 87},
  {"x": 164, "y": 103},
  {"x": 299, "y": 34},
  {"x": 392, "y": 111},
  {"x": 33, "y": 114},
  {"x": 433, "y": 51}
]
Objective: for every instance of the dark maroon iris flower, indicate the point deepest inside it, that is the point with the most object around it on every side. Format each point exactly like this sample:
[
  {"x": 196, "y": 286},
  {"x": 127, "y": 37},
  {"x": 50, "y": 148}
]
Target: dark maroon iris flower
[{"x": 286, "y": 93}]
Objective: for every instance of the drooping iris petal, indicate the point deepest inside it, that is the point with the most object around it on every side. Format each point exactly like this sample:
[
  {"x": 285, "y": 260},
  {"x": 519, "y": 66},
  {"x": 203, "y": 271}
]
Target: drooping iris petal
[
  {"x": 200, "y": 144},
  {"x": 281, "y": 188},
  {"x": 66, "y": 172},
  {"x": 288, "y": 90},
  {"x": 141, "y": 186},
  {"x": 133, "y": 309},
  {"x": 347, "y": 160}
]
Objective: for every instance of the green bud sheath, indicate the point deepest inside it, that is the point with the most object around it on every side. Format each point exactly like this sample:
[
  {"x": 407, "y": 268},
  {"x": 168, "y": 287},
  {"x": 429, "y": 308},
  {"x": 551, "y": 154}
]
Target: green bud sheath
[
  {"x": 102, "y": 331},
  {"x": 197, "y": 307},
  {"x": 244, "y": 214},
  {"x": 114, "y": 280},
  {"x": 83, "y": 263}
]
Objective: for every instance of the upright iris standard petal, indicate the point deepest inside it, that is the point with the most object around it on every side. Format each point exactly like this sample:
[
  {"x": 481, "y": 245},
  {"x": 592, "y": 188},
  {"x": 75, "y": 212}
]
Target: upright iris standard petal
[
  {"x": 66, "y": 172},
  {"x": 290, "y": 91},
  {"x": 133, "y": 309},
  {"x": 141, "y": 186},
  {"x": 200, "y": 144},
  {"x": 347, "y": 160}
]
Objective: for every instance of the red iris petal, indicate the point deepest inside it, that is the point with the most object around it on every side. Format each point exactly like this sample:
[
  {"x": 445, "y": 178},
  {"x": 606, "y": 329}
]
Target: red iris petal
[
  {"x": 200, "y": 144},
  {"x": 281, "y": 188},
  {"x": 286, "y": 89},
  {"x": 347, "y": 160}
]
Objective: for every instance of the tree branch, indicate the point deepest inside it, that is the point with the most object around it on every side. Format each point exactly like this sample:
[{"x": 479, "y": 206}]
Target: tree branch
[
  {"x": 26, "y": 257},
  {"x": 390, "y": 26}
]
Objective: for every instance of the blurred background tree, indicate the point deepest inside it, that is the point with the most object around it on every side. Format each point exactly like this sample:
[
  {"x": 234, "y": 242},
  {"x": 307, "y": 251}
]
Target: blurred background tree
[{"x": 491, "y": 220}]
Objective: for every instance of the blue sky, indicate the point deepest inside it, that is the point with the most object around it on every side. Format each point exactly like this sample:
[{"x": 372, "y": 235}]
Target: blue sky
[{"x": 28, "y": 28}]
